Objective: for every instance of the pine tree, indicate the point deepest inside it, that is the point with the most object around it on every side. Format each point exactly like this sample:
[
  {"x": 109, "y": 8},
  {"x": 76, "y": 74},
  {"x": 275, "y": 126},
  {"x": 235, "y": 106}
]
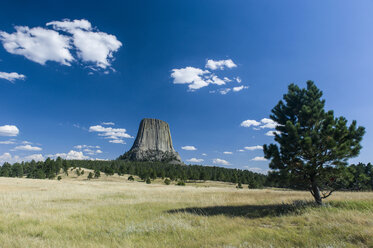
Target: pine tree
[{"x": 313, "y": 144}]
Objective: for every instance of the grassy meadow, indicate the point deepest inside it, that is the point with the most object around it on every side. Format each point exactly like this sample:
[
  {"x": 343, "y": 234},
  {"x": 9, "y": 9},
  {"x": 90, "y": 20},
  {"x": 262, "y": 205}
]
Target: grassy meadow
[{"x": 113, "y": 212}]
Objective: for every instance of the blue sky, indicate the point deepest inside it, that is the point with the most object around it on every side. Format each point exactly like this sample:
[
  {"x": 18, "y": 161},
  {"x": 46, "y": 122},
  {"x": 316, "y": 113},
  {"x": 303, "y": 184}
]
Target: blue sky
[{"x": 205, "y": 67}]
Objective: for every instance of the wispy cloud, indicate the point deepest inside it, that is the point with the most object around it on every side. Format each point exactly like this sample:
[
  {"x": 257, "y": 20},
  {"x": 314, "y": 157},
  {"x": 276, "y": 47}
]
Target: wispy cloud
[
  {"x": 220, "y": 161},
  {"x": 12, "y": 76},
  {"x": 189, "y": 148},
  {"x": 115, "y": 135}
]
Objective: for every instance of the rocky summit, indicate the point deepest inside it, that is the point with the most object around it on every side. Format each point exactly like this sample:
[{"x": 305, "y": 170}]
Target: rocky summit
[{"x": 153, "y": 143}]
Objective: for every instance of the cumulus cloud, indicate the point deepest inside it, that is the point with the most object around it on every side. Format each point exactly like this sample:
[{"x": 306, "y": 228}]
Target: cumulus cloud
[
  {"x": 115, "y": 135},
  {"x": 12, "y": 76},
  {"x": 9, "y": 130},
  {"x": 27, "y": 148},
  {"x": 228, "y": 152},
  {"x": 264, "y": 123},
  {"x": 220, "y": 161},
  {"x": 189, "y": 148},
  {"x": 195, "y": 160},
  {"x": 272, "y": 133},
  {"x": 268, "y": 123},
  {"x": 259, "y": 159},
  {"x": 92, "y": 46},
  {"x": 7, "y": 157},
  {"x": 68, "y": 38},
  {"x": 36, "y": 157},
  {"x": 252, "y": 148},
  {"x": 238, "y": 79},
  {"x": 191, "y": 76},
  {"x": 38, "y": 44},
  {"x": 220, "y": 64},
  {"x": 249, "y": 123},
  {"x": 71, "y": 155},
  {"x": 197, "y": 78}
]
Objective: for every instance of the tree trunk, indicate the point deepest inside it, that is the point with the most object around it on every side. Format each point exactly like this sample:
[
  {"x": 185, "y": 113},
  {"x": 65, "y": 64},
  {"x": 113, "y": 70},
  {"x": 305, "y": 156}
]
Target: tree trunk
[{"x": 316, "y": 193}]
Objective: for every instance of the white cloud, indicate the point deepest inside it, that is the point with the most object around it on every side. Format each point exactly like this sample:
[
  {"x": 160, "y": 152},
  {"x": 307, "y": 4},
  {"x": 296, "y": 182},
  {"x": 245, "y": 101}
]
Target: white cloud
[
  {"x": 272, "y": 133},
  {"x": 115, "y": 135},
  {"x": 224, "y": 91},
  {"x": 268, "y": 123},
  {"x": 28, "y": 148},
  {"x": 38, "y": 44},
  {"x": 238, "y": 79},
  {"x": 195, "y": 160},
  {"x": 191, "y": 76},
  {"x": 7, "y": 157},
  {"x": 7, "y": 142},
  {"x": 77, "y": 37},
  {"x": 85, "y": 146},
  {"x": 220, "y": 161},
  {"x": 117, "y": 141},
  {"x": 257, "y": 169},
  {"x": 240, "y": 150},
  {"x": 204, "y": 154},
  {"x": 249, "y": 123},
  {"x": 26, "y": 142},
  {"x": 189, "y": 148},
  {"x": 108, "y": 123},
  {"x": 12, "y": 76},
  {"x": 252, "y": 148},
  {"x": 228, "y": 152},
  {"x": 259, "y": 159},
  {"x": 92, "y": 46},
  {"x": 9, "y": 130},
  {"x": 226, "y": 79},
  {"x": 98, "y": 151},
  {"x": 71, "y": 155},
  {"x": 36, "y": 157},
  {"x": 239, "y": 88},
  {"x": 216, "y": 80},
  {"x": 220, "y": 64}
]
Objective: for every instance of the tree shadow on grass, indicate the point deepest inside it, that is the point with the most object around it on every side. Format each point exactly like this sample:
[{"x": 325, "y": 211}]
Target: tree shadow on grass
[{"x": 249, "y": 211}]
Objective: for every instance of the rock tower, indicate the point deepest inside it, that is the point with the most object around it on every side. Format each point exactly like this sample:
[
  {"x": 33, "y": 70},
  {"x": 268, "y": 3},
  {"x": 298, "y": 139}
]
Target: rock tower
[{"x": 153, "y": 143}]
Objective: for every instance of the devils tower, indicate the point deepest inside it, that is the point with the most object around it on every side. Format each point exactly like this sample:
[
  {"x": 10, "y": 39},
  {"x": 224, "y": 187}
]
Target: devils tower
[{"x": 153, "y": 143}]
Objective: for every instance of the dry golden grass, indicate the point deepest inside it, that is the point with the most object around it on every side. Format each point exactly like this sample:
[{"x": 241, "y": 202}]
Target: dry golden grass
[{"x": 112, "y": 212}]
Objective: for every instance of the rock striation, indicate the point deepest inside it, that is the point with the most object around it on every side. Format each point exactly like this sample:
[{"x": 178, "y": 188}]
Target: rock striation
[{"x": 153, "y": 143}]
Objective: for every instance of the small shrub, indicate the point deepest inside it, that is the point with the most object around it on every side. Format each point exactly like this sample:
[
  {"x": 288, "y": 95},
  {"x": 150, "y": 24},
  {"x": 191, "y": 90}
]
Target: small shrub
[
  {"x": 239, "y": 186},
  {"x": 130, "y": 178},
  {"x": 148, "y": 181},
  {"x": 167, "y": 181},
  {"x": 180, "y": 183},
  {"x": 97, "y": 173},
  {"x": 82, "y": 173},
  {"x": 59, "y": 178}
]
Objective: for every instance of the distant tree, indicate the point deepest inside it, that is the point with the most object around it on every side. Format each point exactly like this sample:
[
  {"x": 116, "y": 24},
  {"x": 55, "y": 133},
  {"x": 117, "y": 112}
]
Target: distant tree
[
  {"x": 82, "y": 172},
  {"x": 59, "y": 178},
  {"x": 130, "y": 178},
  {"x": 313, "y": 144},
  {"x": 97, "y": 173},
  {"x": 77, "y": 172},
  {"x": 90, "y": 176},
  {"x": 167, "y": 181},
  {"x": 239, "y": 185},
  {"x": 148, "y": 181}
]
